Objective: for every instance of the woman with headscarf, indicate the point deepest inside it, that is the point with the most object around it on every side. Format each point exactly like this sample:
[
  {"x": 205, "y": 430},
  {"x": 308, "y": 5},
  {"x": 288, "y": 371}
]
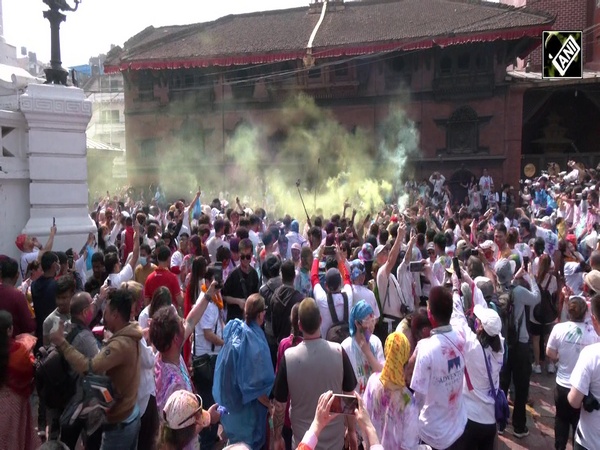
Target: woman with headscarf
[
  {"x": 391, "y": 406},
  {"x": 363, "y": 348},
  {"x": 244, "y": 377}
]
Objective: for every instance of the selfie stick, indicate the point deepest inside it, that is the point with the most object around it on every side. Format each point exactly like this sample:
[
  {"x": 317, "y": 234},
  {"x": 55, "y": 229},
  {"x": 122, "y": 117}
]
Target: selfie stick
[
  {"x": 302, "y": 200},
  {"x": 316, "y": 184}
]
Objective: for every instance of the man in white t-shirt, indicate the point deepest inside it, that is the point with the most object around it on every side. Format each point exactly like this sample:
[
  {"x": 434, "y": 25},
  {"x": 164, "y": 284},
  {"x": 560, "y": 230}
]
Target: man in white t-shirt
[
  {"x": 438, "y": 377},
  {"x": 387, "y": 284},
  {"x": 486, "y": 183},
  {"x": 585, "y": 382},
  {"x": 216, "y": 241},
  {"x": 565, "y": 344},
  {"x": 437, "y": 180}
]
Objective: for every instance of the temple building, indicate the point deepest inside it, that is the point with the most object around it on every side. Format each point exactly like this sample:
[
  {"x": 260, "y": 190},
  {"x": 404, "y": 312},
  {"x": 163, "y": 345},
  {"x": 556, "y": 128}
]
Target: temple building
[{"x": 444, "y": 61}]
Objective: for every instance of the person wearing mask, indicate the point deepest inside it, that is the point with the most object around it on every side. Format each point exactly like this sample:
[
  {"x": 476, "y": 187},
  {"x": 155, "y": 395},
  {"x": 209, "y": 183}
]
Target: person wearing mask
[
  {"x": 517, "y": 368},
  {"x": 145, "y": 268},
  {"x": 390, "y": 404},
  {"x": 245, "y": 392},
  {"x": 437, "y": 379},
  {"x": 120, "y": 360},
  {"x": 565, "y": 344},
  {"x": 585, "y": 383},
  {"x": 363, "y": 348},
  {"x": 16, "y": 387}
]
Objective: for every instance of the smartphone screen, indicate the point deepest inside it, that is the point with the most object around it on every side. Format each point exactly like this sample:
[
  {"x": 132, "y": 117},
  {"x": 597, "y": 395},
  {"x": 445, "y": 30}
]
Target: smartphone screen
[
  {"x": 344, "y": 404},
  {"x": 416, "y": 266},
  {"x": 218, "y": 270}
]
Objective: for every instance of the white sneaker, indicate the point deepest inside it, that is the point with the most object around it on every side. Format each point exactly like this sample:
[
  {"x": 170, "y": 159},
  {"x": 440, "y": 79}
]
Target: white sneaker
[
  {"x": 551, "y": 368},
  {"x": 537, "y": 368}
]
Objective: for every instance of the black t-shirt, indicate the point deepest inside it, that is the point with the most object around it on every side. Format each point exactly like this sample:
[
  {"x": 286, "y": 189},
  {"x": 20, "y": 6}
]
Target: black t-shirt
[
  {"x": 43, "y": 294},
  {"x": 281, "y": 388},
  {"x": 239, "y": 285}
]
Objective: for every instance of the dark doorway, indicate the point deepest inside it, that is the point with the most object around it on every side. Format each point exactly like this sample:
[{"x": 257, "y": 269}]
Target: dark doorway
[{"x": 459, "y": 183}]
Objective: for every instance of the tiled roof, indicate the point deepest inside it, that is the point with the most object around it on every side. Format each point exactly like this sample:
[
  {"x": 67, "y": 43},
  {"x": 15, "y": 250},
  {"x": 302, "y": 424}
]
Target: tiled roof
[{"x": 359, "y": 27}]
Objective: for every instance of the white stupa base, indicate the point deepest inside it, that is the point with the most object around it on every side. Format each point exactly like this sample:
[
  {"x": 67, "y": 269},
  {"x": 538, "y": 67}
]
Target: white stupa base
[{"x": 57, "y": 118}]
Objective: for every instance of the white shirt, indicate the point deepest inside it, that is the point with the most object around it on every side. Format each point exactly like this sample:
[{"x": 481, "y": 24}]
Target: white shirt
[
  {"x": 253, "y": 236},
  {"x": 438, "y": 376},
  {"x": 338, "y": 303},
  {"x": 176, "y": 259},
  {"x": 479, "y": 403},
  {"x": 26, "y": 259},
  {"x": 486, "y": 184},
  {"x": 364, "y": 293},
  {"x": 213, "y": 245},
  {"x": 144, "y": 318},
  {"x": 390, "y": 298},
  {"x": 147, "y": 384},
  {"x": 586, "y": 378},
  {"x": 573, "y": 277},
  {"x": 125, "y": 274},
  {"x": 357, "y": 359},
  {"x": 210, "y": 318},
  {"x": 569, "y": 339}
]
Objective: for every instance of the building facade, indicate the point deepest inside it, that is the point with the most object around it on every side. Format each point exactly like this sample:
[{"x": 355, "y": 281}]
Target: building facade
[{"x": 443, "y": 61}]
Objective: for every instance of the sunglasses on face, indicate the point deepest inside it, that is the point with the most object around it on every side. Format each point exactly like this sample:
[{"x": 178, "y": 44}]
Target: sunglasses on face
[
  {"x": 194, "y": 413},
  {"x": 248, "y": 257}
]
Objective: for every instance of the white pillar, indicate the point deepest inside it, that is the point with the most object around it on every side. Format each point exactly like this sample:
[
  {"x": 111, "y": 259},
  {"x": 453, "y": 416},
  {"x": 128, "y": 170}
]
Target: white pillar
[{"x": 58, "y": 117}]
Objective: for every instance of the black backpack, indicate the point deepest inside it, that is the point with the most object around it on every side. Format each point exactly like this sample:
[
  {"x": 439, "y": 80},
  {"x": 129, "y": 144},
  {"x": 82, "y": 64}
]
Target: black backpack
[
  {"x": 339, "y": 330},
  {"x": 546, "y": 311},
  {"x": 53, "y": 379}
]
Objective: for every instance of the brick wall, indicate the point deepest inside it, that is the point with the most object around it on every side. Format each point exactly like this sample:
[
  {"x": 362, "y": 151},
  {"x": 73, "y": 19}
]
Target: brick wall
[{"x": 571, "y": 15}]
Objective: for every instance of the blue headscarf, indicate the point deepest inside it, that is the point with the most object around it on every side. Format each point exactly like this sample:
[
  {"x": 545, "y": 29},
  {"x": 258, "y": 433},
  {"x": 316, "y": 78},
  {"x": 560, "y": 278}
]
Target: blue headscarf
[{"x": 359, "y": 312}]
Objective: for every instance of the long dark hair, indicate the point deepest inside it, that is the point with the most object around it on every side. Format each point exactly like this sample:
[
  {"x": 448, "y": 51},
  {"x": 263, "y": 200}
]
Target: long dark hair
[
  {"x": 6, "y": 322},
  {"x": 295, "y": 324},
  {"x": 489, "y": 341},
  {"x": 176, "y": 439},
  {"x": 198, "y": 272}
]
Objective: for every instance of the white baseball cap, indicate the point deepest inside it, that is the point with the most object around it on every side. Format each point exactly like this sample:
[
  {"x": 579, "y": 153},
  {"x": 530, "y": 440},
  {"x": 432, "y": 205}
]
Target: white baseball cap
[{"x": 490, "y": 320}]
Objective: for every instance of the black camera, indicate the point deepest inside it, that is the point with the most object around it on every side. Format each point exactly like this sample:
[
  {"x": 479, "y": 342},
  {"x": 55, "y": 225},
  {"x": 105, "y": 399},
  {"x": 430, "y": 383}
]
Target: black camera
[{"x": 590, "y": 403}]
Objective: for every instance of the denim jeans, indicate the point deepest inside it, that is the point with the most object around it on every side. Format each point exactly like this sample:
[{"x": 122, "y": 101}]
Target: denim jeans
[{"x": 123, "y": 435}]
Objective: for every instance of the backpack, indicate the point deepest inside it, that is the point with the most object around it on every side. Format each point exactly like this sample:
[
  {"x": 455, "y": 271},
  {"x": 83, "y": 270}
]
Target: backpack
[
  {"x": 546, "y": 311},
  {"x": 505, "y": 307},
  {"x": 339, "y": 330},
  {"x": 53, "y": 379}
]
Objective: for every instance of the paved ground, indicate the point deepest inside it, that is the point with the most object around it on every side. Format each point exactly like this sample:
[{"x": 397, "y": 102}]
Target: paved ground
[{"x": 540, "y": 418}]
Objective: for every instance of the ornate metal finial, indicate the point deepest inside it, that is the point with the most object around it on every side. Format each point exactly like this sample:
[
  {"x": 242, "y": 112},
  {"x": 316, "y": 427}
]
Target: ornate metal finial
[{"x": 56, "y": 74}]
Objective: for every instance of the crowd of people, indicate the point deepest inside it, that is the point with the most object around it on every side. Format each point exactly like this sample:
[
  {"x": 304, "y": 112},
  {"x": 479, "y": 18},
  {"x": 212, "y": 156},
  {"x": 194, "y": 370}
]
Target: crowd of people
[{"x": 193, "y": 325}]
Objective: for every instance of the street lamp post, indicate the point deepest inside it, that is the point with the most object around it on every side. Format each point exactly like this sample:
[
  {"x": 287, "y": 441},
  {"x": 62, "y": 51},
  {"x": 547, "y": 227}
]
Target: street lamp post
[{"x": 56, "y": 74}]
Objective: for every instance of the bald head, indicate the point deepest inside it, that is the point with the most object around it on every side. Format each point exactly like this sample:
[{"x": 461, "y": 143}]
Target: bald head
[{"x": 79, "y": 303}]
